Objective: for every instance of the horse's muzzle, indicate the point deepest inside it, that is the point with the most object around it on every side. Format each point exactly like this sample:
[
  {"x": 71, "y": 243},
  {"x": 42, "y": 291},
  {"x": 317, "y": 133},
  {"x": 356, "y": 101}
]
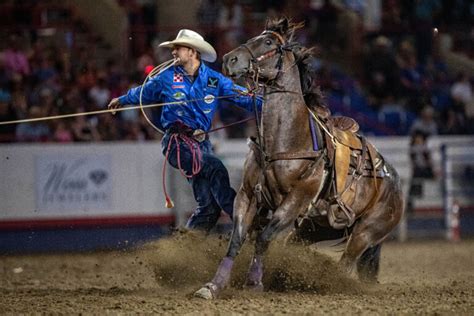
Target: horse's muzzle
[{"x": 235, "y": 63}]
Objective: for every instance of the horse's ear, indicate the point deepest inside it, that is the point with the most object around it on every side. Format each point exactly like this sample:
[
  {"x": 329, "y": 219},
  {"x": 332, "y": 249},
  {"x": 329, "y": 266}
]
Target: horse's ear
[
  {"x": 285, "y": 25},
  {"x": 293, "y": 28}
]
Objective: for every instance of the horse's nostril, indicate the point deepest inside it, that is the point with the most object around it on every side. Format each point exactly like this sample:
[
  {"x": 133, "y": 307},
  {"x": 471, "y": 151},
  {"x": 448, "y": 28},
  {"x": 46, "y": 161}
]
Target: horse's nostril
[{"x": 233, "y": 59}]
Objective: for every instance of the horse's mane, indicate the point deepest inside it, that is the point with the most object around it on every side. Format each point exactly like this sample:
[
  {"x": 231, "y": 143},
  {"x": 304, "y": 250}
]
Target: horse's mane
[{"x": 304, "y": 59}]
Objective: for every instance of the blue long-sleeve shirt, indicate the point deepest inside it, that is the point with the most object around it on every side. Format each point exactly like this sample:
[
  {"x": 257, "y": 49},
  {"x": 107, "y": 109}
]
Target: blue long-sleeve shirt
[{"x": 199, "y": 96}]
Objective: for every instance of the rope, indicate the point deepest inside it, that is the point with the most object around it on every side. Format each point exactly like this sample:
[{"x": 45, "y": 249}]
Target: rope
[
  {"x": 155, "y": 71},
  {"x": 333, "y": 138},
  {"x": 54, "y": 117},
  {"x": 191, "y": 143},
  {"x": 196, "y": 165},
  {"x": 225, "y": 126}
]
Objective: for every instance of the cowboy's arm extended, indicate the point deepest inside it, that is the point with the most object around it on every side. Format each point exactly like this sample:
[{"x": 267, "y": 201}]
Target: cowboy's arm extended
[
  {"x": 242, "y": 99},
  {"x": 150, "y": 94}
]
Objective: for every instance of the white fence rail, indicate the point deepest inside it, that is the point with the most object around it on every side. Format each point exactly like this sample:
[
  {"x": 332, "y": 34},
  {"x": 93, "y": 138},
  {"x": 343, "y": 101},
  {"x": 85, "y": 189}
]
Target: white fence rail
[
  {"x": 458, "y": 184},
  {"x": 115, "y": 179}
]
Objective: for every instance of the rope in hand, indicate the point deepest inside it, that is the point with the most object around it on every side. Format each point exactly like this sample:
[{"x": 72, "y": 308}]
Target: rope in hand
[
  {"x": 189, "y": 141},
  {"x": 195, "y": 150},
  {"x": 62, "y": 116}
]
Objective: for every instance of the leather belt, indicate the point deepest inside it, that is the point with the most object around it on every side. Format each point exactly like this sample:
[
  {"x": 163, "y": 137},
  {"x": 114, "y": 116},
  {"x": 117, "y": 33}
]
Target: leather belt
[{"x": 198, "y": 135}]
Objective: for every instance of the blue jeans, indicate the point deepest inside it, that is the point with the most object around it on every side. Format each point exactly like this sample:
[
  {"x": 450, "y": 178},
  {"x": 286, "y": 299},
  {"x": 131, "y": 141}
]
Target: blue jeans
[{"x": 211, "y": 186}]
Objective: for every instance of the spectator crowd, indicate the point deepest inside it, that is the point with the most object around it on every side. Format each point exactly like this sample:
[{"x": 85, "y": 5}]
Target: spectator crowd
[{"x": 398, "y": 82}]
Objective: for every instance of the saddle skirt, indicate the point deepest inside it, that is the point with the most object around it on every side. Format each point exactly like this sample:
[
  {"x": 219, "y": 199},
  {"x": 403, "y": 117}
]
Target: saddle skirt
[{"x": 352, "y": 157}]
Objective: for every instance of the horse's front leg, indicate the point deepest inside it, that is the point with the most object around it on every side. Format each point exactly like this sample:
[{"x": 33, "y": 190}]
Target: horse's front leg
[
  {"x": 244, "y": 212},
  {"x": 283, "y": 217}
]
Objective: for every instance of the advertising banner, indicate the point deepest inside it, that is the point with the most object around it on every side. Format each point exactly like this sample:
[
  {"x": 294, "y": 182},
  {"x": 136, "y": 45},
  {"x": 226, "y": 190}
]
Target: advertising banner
[{"x": 78, "y": 183}]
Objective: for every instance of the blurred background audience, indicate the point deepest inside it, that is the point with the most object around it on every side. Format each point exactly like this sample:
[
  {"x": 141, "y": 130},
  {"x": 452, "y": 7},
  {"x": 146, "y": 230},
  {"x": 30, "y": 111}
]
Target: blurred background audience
[{"x": 381, "y": 62}]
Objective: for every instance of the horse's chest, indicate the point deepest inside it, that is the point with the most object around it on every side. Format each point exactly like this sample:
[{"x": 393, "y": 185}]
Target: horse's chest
[{"x": 284, "y": 175}]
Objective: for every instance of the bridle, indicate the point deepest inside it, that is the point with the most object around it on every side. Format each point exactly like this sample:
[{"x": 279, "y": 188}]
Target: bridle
[
  {"x": 255, "y": 61},
  {"x": 269, "y": 53},
  {"x": 254, "y": 71},
  {"x": 265, "y": 159}
]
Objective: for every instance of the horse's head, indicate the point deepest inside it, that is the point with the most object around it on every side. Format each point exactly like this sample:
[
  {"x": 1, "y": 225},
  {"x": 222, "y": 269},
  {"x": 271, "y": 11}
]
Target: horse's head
[{"x": 262, "y": 54}]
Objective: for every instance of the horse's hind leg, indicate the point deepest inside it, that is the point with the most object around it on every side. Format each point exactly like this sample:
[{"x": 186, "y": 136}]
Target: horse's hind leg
[
  {"x": 371, "y": 229},
  {"x": 310, "y": 232},
  {"x": 360, "y": 241},
  {"x": 368, "y": 265}
]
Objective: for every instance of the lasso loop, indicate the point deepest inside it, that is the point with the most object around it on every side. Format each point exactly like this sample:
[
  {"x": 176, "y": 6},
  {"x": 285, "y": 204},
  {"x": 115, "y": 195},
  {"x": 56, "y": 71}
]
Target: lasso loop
[
  {"x": 196, "y": 164},
  {"x": 155, "y": 71}
]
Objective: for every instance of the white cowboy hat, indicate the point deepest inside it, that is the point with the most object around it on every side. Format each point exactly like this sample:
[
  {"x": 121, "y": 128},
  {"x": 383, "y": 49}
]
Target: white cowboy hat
[{"x": 196, "y": 41}]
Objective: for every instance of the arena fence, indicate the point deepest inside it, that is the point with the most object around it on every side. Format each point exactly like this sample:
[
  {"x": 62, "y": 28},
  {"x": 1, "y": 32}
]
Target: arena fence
[
  {"x": 458, "y": 187},
  {"x": 103, "y": 195}
]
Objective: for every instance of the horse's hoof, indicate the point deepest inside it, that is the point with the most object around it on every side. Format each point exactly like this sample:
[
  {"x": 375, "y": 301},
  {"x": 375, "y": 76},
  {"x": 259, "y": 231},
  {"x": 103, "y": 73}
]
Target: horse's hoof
[
  {"x": 207, "y": 292},
  {"x": 204, "y": 293}
]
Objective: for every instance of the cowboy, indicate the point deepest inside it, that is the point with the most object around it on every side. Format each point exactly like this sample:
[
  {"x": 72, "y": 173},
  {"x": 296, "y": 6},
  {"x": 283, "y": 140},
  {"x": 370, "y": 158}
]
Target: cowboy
[{"x": 186, "y": 124}]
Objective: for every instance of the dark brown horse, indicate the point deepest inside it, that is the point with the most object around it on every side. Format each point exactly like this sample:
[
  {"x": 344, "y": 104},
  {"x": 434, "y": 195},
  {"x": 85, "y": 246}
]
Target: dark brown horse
[{"x": 303, "y": 167}]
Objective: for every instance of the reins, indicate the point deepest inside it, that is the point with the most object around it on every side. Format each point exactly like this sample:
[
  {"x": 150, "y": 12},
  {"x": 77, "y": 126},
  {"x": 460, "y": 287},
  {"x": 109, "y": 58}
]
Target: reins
[{"x": 254, "y": 71}]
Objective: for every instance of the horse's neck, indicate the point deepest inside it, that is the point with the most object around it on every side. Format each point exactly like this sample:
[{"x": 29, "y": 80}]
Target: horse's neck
[{"x": 285, "y": 117}]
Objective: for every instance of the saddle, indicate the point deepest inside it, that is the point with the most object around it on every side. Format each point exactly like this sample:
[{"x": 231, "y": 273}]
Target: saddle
[
  {"x": 344, "y": 123},
  {"x": 351, "y": 157}
]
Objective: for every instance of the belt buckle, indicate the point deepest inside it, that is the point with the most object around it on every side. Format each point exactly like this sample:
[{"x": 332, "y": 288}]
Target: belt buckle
[{"x": 199, "y": 135}]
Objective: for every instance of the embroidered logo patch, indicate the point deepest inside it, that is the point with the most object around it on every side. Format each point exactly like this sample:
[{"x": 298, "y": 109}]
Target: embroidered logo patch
[
  {"x": 178, "y": 95},
  {"x": 209, "y": 98},
  {"x": 177, "y": 77},
  {"x": 212, "y": 82}
]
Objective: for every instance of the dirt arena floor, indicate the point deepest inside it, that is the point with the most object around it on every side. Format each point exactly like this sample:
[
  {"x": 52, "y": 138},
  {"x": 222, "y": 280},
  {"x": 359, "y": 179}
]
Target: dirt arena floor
[{"x": 430, "y": 277}]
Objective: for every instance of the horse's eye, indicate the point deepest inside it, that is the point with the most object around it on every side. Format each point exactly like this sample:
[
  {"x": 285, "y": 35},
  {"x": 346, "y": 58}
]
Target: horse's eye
[{"x": 268, "y": 42}]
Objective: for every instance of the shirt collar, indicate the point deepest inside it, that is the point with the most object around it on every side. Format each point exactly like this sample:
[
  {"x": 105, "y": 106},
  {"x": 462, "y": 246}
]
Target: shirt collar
[{"x": 201, "y": 70}]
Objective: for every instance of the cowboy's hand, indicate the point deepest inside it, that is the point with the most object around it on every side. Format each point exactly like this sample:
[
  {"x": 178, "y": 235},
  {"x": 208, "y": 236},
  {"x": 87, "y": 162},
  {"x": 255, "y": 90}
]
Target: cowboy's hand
[{"x": 114, "y": 104}]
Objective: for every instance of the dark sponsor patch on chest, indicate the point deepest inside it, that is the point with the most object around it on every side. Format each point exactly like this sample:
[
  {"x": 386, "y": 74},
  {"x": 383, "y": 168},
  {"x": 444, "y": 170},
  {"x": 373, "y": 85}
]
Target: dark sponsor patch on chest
[{"x": 212, "y": 82}]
